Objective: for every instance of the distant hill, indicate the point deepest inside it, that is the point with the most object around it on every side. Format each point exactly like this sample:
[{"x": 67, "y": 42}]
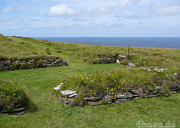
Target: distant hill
[{"x": 3, "y": 38}]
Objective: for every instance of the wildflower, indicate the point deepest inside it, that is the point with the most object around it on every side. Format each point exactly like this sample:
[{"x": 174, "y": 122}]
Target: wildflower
[
  {"x": 102, "y": 79},
  {"x": 121, "y": 88},
  {"x": 109, "y": 93},
  {"x": 149, "y": 69},
  {"x": 111, "y": 89},
  {"x": 114, "y": 98},
  {"x": 112, "y": 92},
  {"x": 124, "y": 80},
  {"x": 90, "y": 90},
  {"x": 175, "y": 74}
]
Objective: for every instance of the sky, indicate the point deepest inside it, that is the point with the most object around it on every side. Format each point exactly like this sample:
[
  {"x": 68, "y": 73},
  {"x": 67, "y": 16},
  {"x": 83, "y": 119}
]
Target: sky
[{"x": 90, "y": 18}]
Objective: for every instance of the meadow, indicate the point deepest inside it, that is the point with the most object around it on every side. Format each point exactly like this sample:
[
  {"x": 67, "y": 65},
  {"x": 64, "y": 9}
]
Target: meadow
[{"x": 45, "y": 111}]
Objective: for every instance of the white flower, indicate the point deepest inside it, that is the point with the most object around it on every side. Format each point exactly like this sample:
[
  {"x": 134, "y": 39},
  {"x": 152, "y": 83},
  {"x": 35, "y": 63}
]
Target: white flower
[
  {"x": 149, "y": 69},
  {"x": 155, "y": 73},
  {"x": 155, "y": 69},
  {"x": 175, "y": 74}
]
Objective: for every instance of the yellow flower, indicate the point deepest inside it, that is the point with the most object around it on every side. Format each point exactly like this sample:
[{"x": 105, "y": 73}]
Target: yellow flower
[
  {"x": 90, "y": 90},
  {"x": 124, "y": 80},
  {"x": 112, "y": 89},
  {"x": 102, "y": 79},
  {"x": 112, "y": 92},
  {"x": 109, "y": 93},
  {"x": 114, "y": 98},
  {"x": 121, "y": 88},
  {"x": 115, "y": 81}
]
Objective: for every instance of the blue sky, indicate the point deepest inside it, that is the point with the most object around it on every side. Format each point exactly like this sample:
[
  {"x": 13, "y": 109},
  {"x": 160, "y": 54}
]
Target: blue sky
[{"x": 90, "y": 18}]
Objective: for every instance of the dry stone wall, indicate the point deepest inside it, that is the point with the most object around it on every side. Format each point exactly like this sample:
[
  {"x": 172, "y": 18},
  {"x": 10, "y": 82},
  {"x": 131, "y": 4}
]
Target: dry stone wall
[
  {"x": 70, "y": 97},
  {"x": 30, "y": 63}
]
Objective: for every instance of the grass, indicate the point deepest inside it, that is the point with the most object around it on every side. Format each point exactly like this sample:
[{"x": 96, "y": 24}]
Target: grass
[{"x": 46, "y": 112}]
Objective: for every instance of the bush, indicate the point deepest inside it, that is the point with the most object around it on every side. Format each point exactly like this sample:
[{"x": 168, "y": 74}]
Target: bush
[
  {"x": 11, "y": 96},
  {"x": 48, "y": 51}
]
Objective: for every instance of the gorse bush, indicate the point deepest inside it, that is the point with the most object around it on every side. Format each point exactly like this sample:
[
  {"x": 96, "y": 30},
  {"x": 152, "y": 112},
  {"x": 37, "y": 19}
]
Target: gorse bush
[{"x": 11, "y": 96}]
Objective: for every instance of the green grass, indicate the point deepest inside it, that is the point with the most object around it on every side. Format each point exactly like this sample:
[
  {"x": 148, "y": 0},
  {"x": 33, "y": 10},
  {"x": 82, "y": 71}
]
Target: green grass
[
  {"x": 46, "y": 112},
  {"x": 39, "y": 84}
]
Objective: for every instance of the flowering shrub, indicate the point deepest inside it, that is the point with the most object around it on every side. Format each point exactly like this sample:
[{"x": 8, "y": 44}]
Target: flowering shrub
[{"x": 11, "y": 96}]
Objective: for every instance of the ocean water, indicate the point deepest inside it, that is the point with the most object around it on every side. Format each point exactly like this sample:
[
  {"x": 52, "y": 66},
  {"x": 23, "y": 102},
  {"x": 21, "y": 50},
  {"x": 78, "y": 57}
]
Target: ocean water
[{"x": 155, "y": 42}]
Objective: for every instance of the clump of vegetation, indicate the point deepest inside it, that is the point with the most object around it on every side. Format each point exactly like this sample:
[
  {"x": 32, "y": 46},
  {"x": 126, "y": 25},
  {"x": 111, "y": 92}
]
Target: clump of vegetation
[
  {"x": 118, "y": 81},
  {"x": 11, "y": 96},
  {"x": 48, "y": 51}
]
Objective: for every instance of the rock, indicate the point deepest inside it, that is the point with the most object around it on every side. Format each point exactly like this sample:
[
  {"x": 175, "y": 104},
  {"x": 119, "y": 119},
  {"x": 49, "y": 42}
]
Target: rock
[
  {"x": 166, "y": 95},
  {"x": 94, "y": 103},
  {"x": 129, "y": 95},
  {"x": 92, "y": 98},
  {"x": 120, "y": 100},
  {"x": 121, "y": 56},
  {"x": 67, "y": 92},
  {"x": 58, "y": 87},
  {"x": 121, "y": 96},
  {"x": 19, "y": 113},
  {"x": 158, "y": 88},
  {"x": 134, "y": 91},
  {"x": 131, "y": 64},
  {"x": 117, "y": 61},
  {"x": 19, "y": 109},
  {"x": 73, "y": 95},
  {"x": 149, "y": 96}
]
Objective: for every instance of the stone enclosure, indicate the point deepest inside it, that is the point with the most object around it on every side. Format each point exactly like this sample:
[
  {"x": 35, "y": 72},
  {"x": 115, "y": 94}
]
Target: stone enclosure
[
  {"x": 71, "y": 97},
  {"x": 30, "y": 62}
]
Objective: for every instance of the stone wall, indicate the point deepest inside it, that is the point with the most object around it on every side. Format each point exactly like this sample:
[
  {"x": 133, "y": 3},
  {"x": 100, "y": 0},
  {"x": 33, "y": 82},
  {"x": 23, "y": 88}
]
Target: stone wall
[
  {"x": 107, "y": 59},
  {"x": 72, "y": 97},
  {"x": 30, "y": 63}
]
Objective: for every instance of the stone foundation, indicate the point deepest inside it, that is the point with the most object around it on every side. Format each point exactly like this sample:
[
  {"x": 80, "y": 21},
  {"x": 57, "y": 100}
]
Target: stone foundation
[
  {"x": 30, "y": 63},
  {"x": 70, "y": 97}
]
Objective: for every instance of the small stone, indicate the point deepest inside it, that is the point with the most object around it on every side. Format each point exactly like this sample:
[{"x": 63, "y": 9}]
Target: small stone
[
  {"x": 117, "y": 61},
  {"x": 129, "y": 95},
  {"x": 19, "y": 109},
  {"x": 67, "y": 92},
  {"x": 120, "y": 100},
  {"x": 94, "y": 103},
  {"x": 92, "y": 99},
  {"x": 131, "y": 64},
  {"x": 73, "y": 95},
  {"x": 134, "y": 91},
  {"x": 19, "y": 113},
  {"x": 121, "y": 96},
  {"x": 58, "y": 87}
]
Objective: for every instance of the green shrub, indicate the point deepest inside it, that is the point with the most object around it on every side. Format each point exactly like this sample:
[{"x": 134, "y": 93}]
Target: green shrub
[
  {"x": 11, "y": 96},
  {"x": 48, "y": 51}
]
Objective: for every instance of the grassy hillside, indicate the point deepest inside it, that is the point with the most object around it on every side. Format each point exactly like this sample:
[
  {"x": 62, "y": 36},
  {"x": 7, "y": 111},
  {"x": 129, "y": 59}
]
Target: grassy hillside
[{"x": 45, "y": 111}]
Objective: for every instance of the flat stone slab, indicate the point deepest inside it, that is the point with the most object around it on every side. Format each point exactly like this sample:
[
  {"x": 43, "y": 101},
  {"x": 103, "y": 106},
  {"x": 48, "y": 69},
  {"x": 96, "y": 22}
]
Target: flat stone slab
[
  {"x": 58, "y": 87},
  {"x": 92, "y": 98},
  {"x": 67, "y": 92}
]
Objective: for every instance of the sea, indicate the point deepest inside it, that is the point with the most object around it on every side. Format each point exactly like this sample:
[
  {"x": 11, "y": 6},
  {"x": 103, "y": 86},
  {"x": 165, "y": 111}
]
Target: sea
[{"x": 154, "y": 42}]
